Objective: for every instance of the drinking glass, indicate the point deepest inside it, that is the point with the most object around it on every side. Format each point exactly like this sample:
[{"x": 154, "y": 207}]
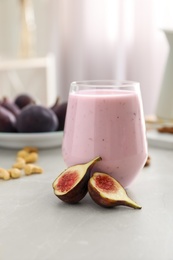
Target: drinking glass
[{"x": 105, "y": 118}]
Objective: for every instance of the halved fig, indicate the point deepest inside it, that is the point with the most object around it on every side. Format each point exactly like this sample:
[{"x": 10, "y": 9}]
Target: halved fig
[
  {"x": 107, "y": 192},
  {"x": 72, "y": 184}
]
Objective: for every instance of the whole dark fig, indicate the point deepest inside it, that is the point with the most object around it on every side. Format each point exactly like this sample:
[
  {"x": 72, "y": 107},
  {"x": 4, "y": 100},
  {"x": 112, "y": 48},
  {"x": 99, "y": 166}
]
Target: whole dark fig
[
  {"x": 23, "y": 100},
  {"x": 7, "y": 120},
  {"x": 60, "y": 111},
  {"x": 10, "y": 105},
  {"x": 36, "y": 118}
]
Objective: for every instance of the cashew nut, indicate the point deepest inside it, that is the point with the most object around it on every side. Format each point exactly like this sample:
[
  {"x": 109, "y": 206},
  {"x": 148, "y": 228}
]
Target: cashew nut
[
  {"x": 22, "y": 154},
  {"x": 24, "y": 161},
  {"x": 31, "y": 157},
  {"x": 20, "y": 163},
  {"x": 32, "y": 168},
  {"x": 30, "y": 149},
  {"x": 4, "y": 174},
  {"x": 15, "y": 173}
]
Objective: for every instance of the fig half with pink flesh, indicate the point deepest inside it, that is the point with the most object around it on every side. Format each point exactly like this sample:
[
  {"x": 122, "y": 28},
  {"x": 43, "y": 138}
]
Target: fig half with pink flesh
[
  {"x": 72, "y": 184},
  {"x": 107, "y": 192}
]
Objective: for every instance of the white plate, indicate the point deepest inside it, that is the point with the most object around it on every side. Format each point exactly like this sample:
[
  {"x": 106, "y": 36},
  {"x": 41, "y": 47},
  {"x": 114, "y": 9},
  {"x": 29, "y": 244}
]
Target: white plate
[
  {"x": 160, "y": 140},
  {"x": 39, "y": 140}
]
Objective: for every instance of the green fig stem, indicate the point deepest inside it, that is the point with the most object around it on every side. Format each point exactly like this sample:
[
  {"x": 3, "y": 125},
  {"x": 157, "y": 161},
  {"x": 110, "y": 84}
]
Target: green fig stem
[
  {"x": 130, "y": 203},
  {"x": 57, "y": 101},
  {"x": 92, "y": 162},
  {"x": 56, "y": 104}
]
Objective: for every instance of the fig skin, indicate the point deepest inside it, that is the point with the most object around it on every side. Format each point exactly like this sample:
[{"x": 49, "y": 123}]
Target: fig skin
[
  {"x": 80, "y": 185},
  {"x": 110, "y": 193},
  {"x": 7, "y": 120},
  {"x": 11, "y": 106},
  {"x": 36, "y": 118},
  {"x": 23, "y": 100},
  {"x": 60, "y": 111}
]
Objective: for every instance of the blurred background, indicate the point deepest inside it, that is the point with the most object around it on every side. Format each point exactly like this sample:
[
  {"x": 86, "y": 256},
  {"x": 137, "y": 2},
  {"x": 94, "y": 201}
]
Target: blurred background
[{"x": 86, "y": 39}]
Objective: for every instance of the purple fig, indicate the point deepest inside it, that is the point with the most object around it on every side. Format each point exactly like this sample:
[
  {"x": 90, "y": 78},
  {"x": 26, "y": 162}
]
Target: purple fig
[
  {"x": 60, "y": 111},
  {"x": 7, "y": 120},
  {"x": 36, "y": 118},
  {"x": 23, "y": 100},
  {"x": 11, "y": 106}
]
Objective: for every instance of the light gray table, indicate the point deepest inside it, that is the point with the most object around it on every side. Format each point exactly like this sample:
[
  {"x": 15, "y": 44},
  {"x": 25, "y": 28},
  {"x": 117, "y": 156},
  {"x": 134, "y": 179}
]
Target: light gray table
[{"x": 35, "y": 225}]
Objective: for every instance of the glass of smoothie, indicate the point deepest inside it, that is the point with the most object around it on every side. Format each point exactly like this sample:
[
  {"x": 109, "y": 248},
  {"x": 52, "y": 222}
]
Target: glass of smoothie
[{"x": 105, "y": 118}]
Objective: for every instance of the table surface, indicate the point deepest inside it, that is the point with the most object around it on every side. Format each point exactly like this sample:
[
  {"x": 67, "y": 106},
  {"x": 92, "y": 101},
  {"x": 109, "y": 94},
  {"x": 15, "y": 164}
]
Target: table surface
[{"x": 35, "y": 224}]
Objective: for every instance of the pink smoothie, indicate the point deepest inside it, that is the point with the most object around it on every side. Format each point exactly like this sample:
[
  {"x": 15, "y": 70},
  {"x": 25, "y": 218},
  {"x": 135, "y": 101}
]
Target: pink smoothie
[{"x": 107, "y": 123}]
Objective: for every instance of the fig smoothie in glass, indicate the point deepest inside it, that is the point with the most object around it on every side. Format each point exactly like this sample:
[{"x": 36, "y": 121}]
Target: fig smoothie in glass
[{"x": 105, "y": 118}]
